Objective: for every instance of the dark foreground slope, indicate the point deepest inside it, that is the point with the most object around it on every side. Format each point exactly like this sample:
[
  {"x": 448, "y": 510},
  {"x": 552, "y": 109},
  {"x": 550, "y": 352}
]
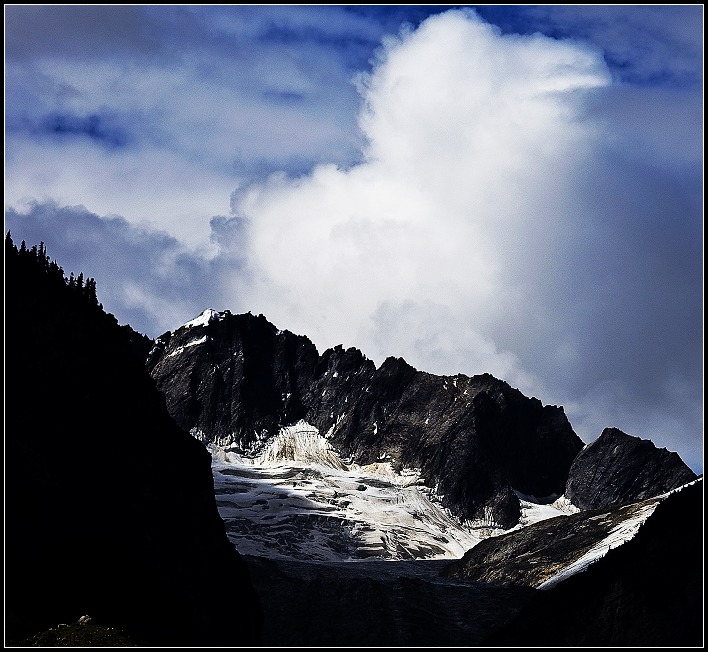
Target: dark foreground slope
[
  {"x": 88, "y": 444},
  {"x": 647, "y": 592},
  {"x": 377, "y": 604},
  {"x": 236, "y": 379}
]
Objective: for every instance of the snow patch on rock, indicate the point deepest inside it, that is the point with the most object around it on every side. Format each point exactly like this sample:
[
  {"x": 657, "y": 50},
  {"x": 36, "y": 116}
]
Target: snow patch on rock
[
  {"x": 207, "y": 316},
  {"x": 620, "y": 534},
  {"x": 180, "y": 349}
]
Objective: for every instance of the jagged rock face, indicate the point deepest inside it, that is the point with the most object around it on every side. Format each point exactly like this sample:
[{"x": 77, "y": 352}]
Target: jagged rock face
[
  {"x": 91, "y": 525},
  {"x": 234, "y": 378},
  {"x": 645, "y": 593},
  {"x": 237, "y": 379},
  {"x": 617, "y": 469}
]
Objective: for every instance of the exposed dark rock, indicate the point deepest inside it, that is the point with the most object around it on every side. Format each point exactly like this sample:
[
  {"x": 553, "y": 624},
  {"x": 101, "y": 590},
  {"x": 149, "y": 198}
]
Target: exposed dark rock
[
  {"x": 241, "y": 379},
  {"x": 536, "y": 553},
  {"x": 617, "y": 469},
  {"x": 236, "y": 379},
  {"x": 646, "y": 593},
  {"x": 90, "y": 525}
]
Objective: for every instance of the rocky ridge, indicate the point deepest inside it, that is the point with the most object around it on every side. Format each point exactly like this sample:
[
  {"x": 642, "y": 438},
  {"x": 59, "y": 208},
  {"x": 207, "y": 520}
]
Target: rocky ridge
[{"x": 235, "y": 380}]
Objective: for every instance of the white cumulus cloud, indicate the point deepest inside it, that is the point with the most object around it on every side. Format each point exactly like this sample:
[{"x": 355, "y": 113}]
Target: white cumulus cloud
[
  {"x": 500, "y": 221},
  {"x": 473, "y": 139}
]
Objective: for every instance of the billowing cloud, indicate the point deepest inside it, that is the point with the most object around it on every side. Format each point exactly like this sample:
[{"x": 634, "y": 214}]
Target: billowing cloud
[
  {"x": 467, "y": 195},
  {"x": 495, "y": 225}
]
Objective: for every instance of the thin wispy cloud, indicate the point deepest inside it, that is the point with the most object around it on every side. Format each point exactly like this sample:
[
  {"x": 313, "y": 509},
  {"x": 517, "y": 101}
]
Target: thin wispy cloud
[{"x": 193, "y": 101}]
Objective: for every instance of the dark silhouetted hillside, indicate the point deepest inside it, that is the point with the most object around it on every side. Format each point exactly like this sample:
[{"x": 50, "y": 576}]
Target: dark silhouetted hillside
[{"x": 92, "y": 524}]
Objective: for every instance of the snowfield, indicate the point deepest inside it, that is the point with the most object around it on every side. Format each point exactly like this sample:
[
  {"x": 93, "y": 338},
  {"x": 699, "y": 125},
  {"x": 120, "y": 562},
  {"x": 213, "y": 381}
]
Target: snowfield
[{"x": 297, "y": 499}]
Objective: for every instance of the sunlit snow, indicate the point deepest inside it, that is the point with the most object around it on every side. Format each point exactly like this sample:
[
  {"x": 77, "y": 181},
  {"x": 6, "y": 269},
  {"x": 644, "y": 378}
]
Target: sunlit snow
[
  {"x": 535, "y": 509},
  {"x": 616, "y": 537},
  {"x": 180, "y": 349},
  {"x": 625, "y": 531},
  {"x": 298, "y": 499},
  {"x": 207, "y": 316}
]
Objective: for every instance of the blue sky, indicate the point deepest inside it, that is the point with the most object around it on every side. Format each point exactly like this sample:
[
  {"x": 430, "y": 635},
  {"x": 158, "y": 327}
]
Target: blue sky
[{"x": 507, "y": 189}]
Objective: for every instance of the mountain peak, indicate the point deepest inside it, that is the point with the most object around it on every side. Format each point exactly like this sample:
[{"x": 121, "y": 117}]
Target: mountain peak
[
  {"x": 204, "y": 319},
  {"x": 617, "y": 469},
  {"x": 476, "y": 440}
]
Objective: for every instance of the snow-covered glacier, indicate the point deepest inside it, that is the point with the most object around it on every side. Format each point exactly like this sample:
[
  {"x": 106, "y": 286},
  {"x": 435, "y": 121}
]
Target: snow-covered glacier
[{"x": 297, "y": 499}]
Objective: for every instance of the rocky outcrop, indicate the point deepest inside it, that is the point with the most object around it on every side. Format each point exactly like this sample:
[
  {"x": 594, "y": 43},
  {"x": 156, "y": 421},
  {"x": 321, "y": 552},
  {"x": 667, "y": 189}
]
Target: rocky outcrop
[
  {"x": 617, "y": 469},
  {"x": 236, "y": 379},
  {"x": 90, "y": 525},
  {"x": 544, "y": 553},
  {"x": 646, "y": 593}
]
